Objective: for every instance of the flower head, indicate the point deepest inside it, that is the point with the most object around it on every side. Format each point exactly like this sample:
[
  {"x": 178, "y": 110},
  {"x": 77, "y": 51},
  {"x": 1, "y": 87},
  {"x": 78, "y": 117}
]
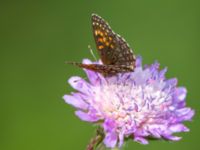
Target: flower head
[{"x": 137, "y": 104}]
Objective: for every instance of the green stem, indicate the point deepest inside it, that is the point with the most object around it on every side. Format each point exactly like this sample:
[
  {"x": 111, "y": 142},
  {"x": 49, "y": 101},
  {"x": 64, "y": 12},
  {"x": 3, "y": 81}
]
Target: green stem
[{"x": 96, "y": 143}]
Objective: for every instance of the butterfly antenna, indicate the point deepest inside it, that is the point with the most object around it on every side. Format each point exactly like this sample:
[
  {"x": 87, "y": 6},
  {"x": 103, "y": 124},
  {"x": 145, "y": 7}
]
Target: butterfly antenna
[
  {"x": 76, "y": 64},
  {"x": 68, "y": 62},
  {"x": 72, "y": 63},
  {"x": 91, "y": 51}
]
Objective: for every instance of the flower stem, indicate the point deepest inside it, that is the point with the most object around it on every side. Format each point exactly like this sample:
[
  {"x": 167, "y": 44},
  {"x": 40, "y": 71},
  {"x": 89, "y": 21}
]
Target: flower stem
[{"x": 96, "y": 142}]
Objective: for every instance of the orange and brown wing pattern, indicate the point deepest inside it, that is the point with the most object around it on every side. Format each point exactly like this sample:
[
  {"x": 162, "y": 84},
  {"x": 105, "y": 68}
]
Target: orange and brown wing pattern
[
  {"x": 104, "y": 39},
  {"x": 115, "y": 53},
  {"x": 113, "y": 49},
  {"x": 123, "y": 54},
  {"x": 106, "y": 70}
]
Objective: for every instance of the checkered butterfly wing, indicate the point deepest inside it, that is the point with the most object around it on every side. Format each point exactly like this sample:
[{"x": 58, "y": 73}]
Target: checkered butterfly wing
[{"x": 114, "y": 51}]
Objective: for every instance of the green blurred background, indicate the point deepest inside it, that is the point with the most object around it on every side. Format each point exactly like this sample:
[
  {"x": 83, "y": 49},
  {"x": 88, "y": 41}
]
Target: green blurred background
[{"x": 37, "y": 37}]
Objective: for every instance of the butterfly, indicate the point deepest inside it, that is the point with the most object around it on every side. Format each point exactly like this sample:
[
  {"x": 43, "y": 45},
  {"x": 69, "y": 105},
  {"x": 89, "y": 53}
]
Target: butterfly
[{"x": 114, "y": 51}]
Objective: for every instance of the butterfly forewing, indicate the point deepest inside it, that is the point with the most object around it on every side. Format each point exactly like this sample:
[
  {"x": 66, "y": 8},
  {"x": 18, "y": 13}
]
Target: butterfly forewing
[{"x": 104, "y": 39}]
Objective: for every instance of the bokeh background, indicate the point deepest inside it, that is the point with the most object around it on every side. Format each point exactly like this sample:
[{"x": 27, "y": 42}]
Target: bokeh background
[{"x": 37, "y": 37}]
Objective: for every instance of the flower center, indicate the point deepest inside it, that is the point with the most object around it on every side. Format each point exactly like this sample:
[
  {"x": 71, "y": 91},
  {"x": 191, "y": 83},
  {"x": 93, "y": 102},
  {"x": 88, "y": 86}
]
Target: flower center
[{"x": 130, "y": 104}]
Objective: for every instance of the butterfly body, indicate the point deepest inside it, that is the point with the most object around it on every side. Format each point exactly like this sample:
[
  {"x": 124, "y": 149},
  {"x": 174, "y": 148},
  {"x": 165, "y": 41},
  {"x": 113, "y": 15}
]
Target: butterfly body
[{"x": 114, "y": 51}]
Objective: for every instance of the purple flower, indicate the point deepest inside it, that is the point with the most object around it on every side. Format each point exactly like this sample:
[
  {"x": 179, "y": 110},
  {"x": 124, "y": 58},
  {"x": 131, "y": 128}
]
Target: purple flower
[{"x": 136, "y": 105}]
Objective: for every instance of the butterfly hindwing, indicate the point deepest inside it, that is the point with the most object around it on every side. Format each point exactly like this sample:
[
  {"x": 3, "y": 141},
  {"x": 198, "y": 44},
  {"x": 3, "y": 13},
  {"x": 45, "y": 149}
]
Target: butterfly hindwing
[{"x": 123, "y": 53}]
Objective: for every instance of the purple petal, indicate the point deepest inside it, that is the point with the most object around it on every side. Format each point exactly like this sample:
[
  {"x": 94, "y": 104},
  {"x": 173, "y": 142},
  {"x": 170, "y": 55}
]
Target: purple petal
[
  {"x": 124, "y": 77},
  {"x": 76, "y": 102},
  {"x": 141, "y": 140},
  {"x": 81, "y": 96},
  {"x": 92, "y": 76},
  {"x": 162, "y": 74},
  {"x": 138, "y": 61},
  {"x": 155, "y": 133},
  {"x": 140, "y": 76},
  {"x": 86, "y": 117},
  {"x": 181, "y": 93},
  {"x": 178, "y": 128},
  {"x": 141, "y": 133},
  {"x": 185, "y": 114},
  {"x": 156, "y": 85},
  {"x": 87, "y": 61},
  {"x": 155, "y": 66},
  {"x": 113, "y": 79},
  {"x": 110, "y": 140},
  {"x": 154, "y": 70},
  {"x": 171, "y": 137},
  {"x": 171, "y": 82},
  {"x": 121, "y": 139},
  {"x": 109, "y": 125},
  {"x": 80, "y": 85},
  {"x": 183, "y": 111}
]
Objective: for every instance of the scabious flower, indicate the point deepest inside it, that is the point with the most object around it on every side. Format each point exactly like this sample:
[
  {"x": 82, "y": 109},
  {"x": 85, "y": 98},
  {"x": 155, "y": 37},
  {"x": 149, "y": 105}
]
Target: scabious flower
[{"x": 137, "y": 105}]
